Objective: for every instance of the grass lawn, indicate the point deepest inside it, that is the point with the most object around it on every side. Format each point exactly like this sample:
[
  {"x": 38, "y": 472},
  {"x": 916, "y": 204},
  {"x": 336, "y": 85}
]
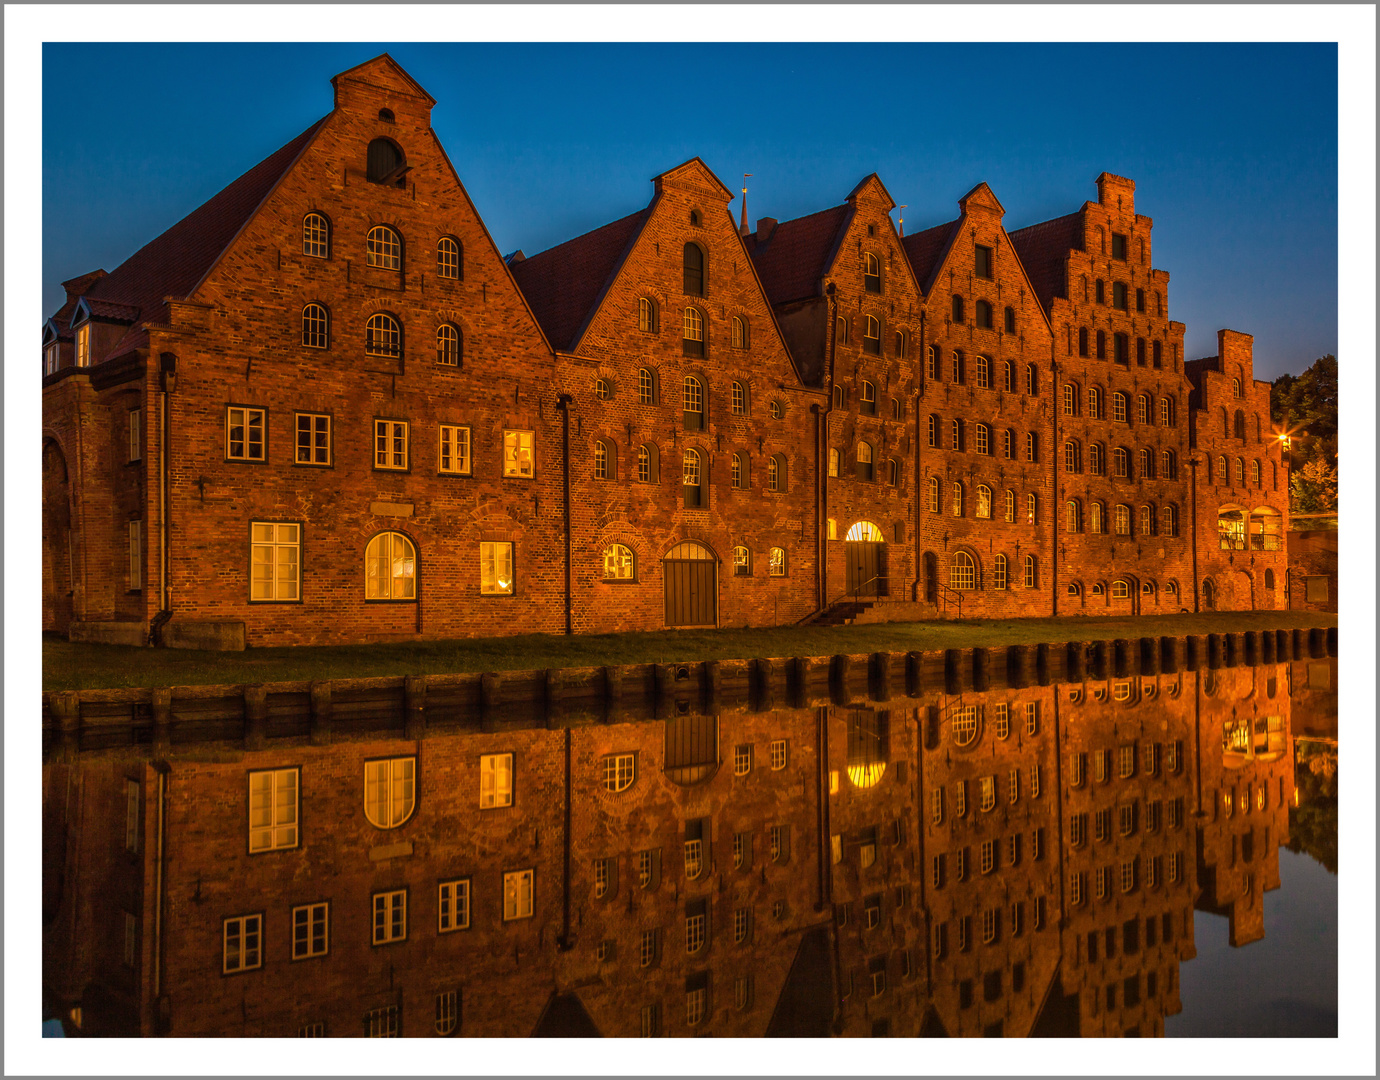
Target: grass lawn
[{"x": 68, "y": 666}]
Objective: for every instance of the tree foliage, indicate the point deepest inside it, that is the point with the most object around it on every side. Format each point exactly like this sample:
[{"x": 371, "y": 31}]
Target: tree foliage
[{"x": 1306, "y": 406}]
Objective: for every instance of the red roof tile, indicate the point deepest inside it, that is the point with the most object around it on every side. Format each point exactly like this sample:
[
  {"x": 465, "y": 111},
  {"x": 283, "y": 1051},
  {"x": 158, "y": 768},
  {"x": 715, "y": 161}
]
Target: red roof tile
[
  {"x": 1044, "y": 250},
  {"x": 174, "y": 263},
  {"x": 563, "y": 284},
  {"x": 925, "y": 250},
  {"x": 797, "y": 254}
]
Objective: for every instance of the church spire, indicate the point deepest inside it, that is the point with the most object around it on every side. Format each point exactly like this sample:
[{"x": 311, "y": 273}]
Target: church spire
[{"x": 742, "y": 222}]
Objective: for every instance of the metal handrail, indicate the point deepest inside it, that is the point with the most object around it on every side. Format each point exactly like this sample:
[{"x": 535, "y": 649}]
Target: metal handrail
[
  {"x": 856, "y": 592},
  {"x": 944, "y": 597}
]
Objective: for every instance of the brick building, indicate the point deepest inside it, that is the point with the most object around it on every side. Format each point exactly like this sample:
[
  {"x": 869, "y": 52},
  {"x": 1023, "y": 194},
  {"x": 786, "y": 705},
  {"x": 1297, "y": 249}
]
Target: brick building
[
  {"x": 323, "y": 408},
  {"x": 995, "y": 863}
]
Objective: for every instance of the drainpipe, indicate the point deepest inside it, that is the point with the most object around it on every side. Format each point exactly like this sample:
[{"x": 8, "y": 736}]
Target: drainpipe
[
  {"x": 1056, "y": 392},
  {"x": 565, "y": 890},
  {"x": 1193, "y": 504},
  {"x": 919, "y": 400},
  {"x": 167, "y": 384},
  {"x": 563, "y": 403},
  {"x": 832, "y": 297},
  {"x": 158, "y": 899}
]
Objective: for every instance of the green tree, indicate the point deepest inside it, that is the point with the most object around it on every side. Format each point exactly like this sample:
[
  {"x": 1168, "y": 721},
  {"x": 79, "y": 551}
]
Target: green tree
[
  {"x": 1313, "y": 488},
  {"x": 1308, "y": 403}
]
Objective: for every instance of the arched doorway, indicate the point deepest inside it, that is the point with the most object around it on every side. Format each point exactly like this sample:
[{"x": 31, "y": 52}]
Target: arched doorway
[
  {"x": 57, "y": 541},
  {"x": 864, "y": 550},
  {"x": 691, "y": 574},
  {"x": 1209, "y": 595}
]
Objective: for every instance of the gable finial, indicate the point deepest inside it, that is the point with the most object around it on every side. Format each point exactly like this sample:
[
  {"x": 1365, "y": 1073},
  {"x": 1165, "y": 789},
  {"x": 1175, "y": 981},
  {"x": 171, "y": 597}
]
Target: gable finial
[{"x": 742, "y": 223}]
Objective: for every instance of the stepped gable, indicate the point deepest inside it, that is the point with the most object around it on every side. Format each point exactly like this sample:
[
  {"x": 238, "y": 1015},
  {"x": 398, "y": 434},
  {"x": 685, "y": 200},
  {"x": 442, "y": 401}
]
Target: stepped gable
[
  {"x": 175, "y": 263},
  {"x": 564, "y": 284},
  {"x": 925, "y": 250},
  {"x": 798, "y": 253},
  {"x": 1044, "y": 250}
]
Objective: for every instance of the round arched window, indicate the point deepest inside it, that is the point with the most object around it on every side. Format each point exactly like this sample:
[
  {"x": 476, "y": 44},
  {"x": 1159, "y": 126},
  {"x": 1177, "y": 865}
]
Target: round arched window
[
  {"x": 962, "y": 572},
  {"x": 619, "y": 564},
  {"x": 315, "y": 326},
  {"x": 447, "y": 345},
  {"x": 382, "y": 336},
  {"x": 383, "y": 248},
  {"x": 449, "y": 263},
  {"x": 390, "y": 568}
]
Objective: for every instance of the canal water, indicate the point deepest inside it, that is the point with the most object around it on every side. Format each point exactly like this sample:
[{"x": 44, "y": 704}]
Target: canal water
[{"x": 1147, "y": 856}]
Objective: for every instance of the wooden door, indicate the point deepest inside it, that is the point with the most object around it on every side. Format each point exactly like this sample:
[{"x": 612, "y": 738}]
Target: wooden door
[
  {"x": 691, "y": 576},
  {"x": 865, "y": 560}
]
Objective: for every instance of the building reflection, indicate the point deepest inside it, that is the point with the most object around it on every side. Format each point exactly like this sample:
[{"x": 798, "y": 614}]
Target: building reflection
[{"x": 1004, "y": 863}]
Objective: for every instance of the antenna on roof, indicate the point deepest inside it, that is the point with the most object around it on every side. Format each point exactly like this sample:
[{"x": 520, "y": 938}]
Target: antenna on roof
[
  {"x": 742, "y": 224},
  {"x": 902, "y": 208}
]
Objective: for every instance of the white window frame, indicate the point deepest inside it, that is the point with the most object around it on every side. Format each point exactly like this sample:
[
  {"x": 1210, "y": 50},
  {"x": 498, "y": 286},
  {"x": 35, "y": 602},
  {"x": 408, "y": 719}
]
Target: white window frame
[
  {"x": 83, "y": 349},
  {"x": 389, "y": 916},
  {"x": 317, "y": 424},
  {"x": 316, "y": 236},
  {"x": 315, "y": 914},
  {"x": 390, "y": 791},
  {"x": 742, "y": 759},
  {"x": 620, "y": 770},
  {"x": 242, "y": 956},
  {"x": 779, "y": 754},
  {"x": 383, "y": 248},
  {"x": 391, "y": 445},
  {"x": 519, "y": 454},
  {"x": 276, "y": 546},
  {"x": 246, "y": 417},
  {"x": 454, "y": 450},
  {"x": 491, "y": 556},
  {"x": 453, "y": 905},
  {"x": 518, "y": 890},
  {"x": 382, "y": 1023},
  {"x": 496, "y": 780},
  {"x": 277, "y": 820},
  {"x": 448, "y": 259},
  {"x": 447, "y": 1011}
]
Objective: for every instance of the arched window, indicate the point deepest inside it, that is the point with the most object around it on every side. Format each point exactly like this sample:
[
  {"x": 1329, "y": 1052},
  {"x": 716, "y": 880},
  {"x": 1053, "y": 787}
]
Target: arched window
[
  {"x": 931, "y": 363},
  {"x": 1166, "y": 412},
  {"x": 872, "y": 336},
  {"x": 647, "y": 461},
  {"x": 742, "y": 562},
  {"x": 385, "y": 162},
  {"x": 1074, "y": 589},
  {"x": 735, "y": 471},
  {"x": 1143, "y": 409},
  {"x": 450, "y": 259},
  {"x": 316, "y": 236},
  {"x": 1119, "y": 407},
  {"x": 382, "y": 336},
  {"x": 984, "y": 373},
  {"x": 984, "y": 439},
  {"x": 775, "y": 410},
  {"x": 776, "y": 562},
  {"x": 448, "y": 345},
  {"x": 737, "y": 398},
  {"x": 1031, "y": 504},
  {"x": 383, "y": 248},
  {"x": 1236, "y": 388},
  {"x": 983, "y": 312},
  {"x": 1032, "y": 380},
  {"x": 867, "y": 403},
  {"x": 1096, "y": 461},
  {"x": 740, "y": 332},
  {"x": 1102, "y": 345},
  {"x": 900, "y": 345},
  {"x": 1169, "y": 465},
  {"x": 692, "y": 403},
  {"x": 841, "y": 330},
  {"x": 1122, "y": 520},
  {"x": 390, "y": 568},
  {"x": 1032, "y": 446},
  {"x": 1147, "y": 521},
  {"x": 1072, "y": 459},
  {"x": 691, "y": 477},
  {"x": 864, "y": 463},
  {"x": 957, "y": 499},
  {"x": 1070, "y": 399},
  {"x": 1008, "y": 377},
  {"x": 390, "y": 791},
  {"x": 962, "y": 572},
  {"x": 956, "y": 434},
  {"x": 694, "y": 270},
  {"x": 1009, "y": 506},
  {"x": 1240, "y": 473},
  {"x": 316, "y": 325},
  {"x": 646, "y": 387},
  {"x": 619, "y": 564},
  {"x": 1030, "y": 578},
  {"x": 984, "y": 501},
  {"x": 1169, "y": 520},
  {"x": 1094, "y": 403},
  {"x": 934, "y": 494},
  {"x": 1010, "y": 320},
  {"x": 833, "y": 461},
  {"x": 603, "y": 469},
  {"x": 1147, "y": 464},
  {"x": 1121, "y": 589},
  {"x": 893, "y": 472},
  {"x": 602, "y": 390},
  {"x": 872, "y": 273},
  {"x": 1121, "y": 464},
  {"x": 1255, "y": 472},
  {"x": 999, "y": 572},
  {"x": 1098, "y": 589},
  {"x": 692, "y": 332},
  {"x": 1097, "y": 518},
  {"x": 1082, "y": 341},
  {"x": 957, "y": 312},
  {"x": 1008, "y": 444},
  {"x": 647, "y": 320},
  {"x": 776, "y": 473}
]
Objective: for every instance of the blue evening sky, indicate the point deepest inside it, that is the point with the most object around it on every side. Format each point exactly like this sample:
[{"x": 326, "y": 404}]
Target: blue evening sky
[{"x": 1233, "y": 147}]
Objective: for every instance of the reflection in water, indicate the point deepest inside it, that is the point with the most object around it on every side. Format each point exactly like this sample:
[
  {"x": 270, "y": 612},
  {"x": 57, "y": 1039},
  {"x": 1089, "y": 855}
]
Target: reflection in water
[{"x": 1015, "y": 862}]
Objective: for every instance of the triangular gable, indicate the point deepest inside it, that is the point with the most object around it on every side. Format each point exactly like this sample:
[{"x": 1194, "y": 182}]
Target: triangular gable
[
  {"x": 697, "y": 167},
  {"x": 565, "y": 1017},
  {"x": 981, "y": 195},
  {"x": 80, "y": 313},
  {"x": 872, "y": 179},
  {"x": 805, "y": 1006},
  {"x": 377, "y": 72}
]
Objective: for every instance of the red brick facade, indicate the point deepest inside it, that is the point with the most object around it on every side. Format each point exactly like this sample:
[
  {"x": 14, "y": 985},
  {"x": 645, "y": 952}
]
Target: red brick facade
[{"x": 302, "y": 389}]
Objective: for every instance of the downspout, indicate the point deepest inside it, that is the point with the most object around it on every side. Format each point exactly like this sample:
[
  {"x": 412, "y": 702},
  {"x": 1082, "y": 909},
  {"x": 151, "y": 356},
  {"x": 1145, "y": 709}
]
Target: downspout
[
  {"x": 1055, "y": 393},
  {"x": 158, "y": 898},
  {"x": 565, "y": 889},
  {"x": 1193, "y": 504},
  {"x": 167, "y": 384},
  {"x": 832, "y": 298},
  {"x": 563, "y": 403},
  {"x": 919, "y": 399}
]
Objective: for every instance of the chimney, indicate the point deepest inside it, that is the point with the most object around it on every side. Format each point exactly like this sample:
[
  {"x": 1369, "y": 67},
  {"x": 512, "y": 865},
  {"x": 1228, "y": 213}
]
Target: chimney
[{"x": 765, "y": 227}]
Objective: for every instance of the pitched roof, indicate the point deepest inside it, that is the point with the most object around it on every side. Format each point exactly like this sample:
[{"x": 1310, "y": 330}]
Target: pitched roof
[
  {"x": 563, "y": 284},
  {"x": 1044, "y": 250},
  {"x": 797, "y": 254},
  {"x": 174, "y": 263},
  {"x": 925, "y": 250}
]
